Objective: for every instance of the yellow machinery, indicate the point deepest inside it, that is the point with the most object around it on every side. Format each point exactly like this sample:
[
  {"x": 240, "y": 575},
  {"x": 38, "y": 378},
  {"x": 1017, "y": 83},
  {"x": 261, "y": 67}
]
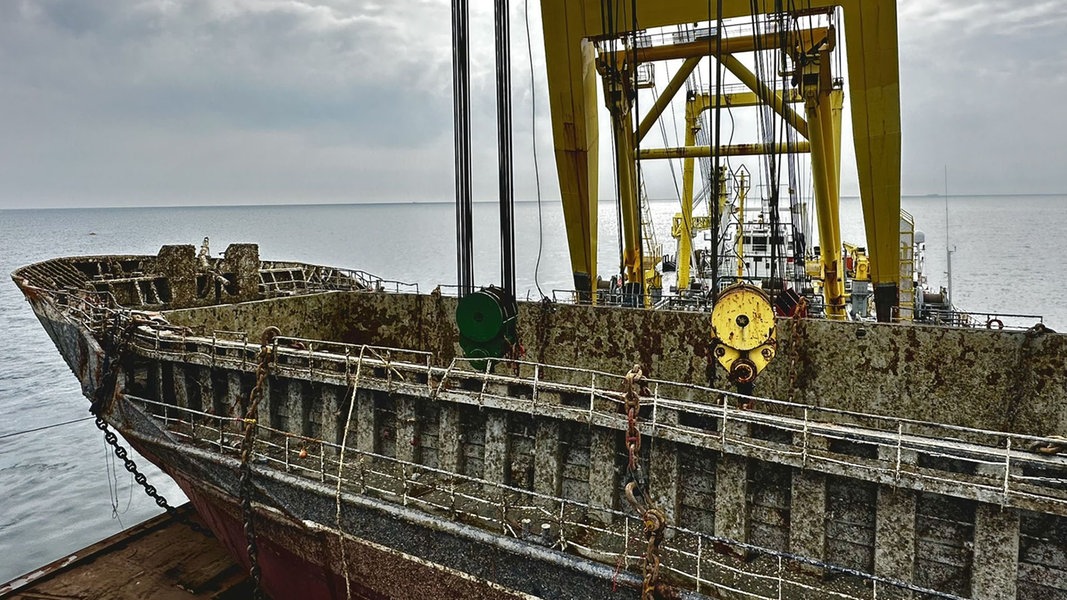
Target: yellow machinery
[
  {"x": 857, "y": 265},
  {"x": 742, "y": 324},
  {"x": 685, "y": 224},
  {"x": 571, "y": 28}
]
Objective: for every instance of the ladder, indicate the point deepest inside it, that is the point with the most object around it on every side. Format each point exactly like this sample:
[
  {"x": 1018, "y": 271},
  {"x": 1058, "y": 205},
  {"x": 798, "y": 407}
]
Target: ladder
[{"x": 906, "y": 289}]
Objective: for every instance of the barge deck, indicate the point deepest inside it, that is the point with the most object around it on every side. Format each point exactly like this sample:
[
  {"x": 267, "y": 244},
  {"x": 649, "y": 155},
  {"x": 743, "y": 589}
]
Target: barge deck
[{"x": 161, "y": 558}]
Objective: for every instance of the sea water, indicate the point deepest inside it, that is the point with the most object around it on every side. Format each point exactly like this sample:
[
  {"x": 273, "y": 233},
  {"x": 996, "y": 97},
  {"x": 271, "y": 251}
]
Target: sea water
[{"x": 61, "y": 489}]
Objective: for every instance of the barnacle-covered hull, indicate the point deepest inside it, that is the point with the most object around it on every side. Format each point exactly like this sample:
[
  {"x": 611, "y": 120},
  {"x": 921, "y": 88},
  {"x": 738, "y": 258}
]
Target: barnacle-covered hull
[
  {"x": 388, "y": 551},
  {"x": 899, "y": 459}
]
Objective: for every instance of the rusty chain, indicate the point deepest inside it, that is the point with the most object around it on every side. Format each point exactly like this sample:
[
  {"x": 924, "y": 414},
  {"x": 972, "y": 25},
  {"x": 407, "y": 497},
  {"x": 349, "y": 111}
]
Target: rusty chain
[
  {"x": 653, "y": 517},
  {"x": 139, "y": 477},
  {"x": 795, "y": 332},
  {"x": 266, "y": 354},
  {"x": 103, "y": 397},
  {"x": 631, "y": 397}
]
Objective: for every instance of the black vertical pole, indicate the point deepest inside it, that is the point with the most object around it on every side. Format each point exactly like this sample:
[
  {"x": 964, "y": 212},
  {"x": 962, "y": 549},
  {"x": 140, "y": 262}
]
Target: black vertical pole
[
  {"x": 717, "y": 188},
  {"x": 503, "y": 116},
  {"x": 461, "y": 115}
]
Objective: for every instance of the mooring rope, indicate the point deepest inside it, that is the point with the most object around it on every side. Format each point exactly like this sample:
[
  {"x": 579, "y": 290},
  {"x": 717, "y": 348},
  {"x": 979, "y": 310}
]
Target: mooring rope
[{"x": 44, "y": 427}]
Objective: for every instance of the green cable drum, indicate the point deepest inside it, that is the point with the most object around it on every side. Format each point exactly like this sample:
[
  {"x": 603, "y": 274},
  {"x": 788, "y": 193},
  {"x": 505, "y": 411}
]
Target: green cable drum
[{"x": 480, "y": 316}]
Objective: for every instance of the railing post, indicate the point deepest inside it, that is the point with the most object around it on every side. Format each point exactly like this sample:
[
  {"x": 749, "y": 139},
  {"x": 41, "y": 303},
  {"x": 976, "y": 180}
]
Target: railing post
[
  {"x": 592, "y": 395},
  {"x": 536, "y": 381},
  {"x": 700, "y": 559},
  {"x": 900, "y": 440},
  {"x": 322, "y": 461},
  {"x": 286, "y": 453},
  {"x": 1007, "y": 472}
]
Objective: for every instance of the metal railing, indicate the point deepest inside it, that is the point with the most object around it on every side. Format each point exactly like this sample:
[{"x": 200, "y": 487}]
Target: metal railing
[
  {"x": 978, "y": 319},
  {"x": 316, "y": 278},
  {"x": 990, "y": 466},
  {"x": 705, "y": 562},
  {"x": 94, "y": 307}
]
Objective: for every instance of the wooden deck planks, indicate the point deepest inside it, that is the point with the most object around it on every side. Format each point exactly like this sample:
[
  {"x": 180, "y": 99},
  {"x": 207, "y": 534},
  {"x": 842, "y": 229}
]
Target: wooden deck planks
[{"x": 160, "y": 559}]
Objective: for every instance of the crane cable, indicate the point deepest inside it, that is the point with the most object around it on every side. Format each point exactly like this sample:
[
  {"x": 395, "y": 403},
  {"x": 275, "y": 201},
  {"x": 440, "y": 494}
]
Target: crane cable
[
  {"x": 504, "y": 146},
  {"x": 716, "y": 216},
  {"x": 631, "y": 131},
  {"x": 462, "y": 135},
  {"x": 533, "y": 135},
  {"x": 608, "y": 11}
]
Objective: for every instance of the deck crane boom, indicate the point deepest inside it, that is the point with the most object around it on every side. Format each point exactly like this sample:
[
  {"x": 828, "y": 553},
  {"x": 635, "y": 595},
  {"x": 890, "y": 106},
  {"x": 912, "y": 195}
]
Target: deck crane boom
[{"x": 571, "y": 28}]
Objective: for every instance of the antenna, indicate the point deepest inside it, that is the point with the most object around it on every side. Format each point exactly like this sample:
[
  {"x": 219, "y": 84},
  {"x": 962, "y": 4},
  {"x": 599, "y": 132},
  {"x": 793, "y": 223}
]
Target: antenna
[{"x": 948, "y": 249}]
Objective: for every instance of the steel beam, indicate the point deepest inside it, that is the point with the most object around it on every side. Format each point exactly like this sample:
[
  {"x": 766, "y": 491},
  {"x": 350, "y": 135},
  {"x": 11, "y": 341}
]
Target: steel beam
[
  {"x": 573, "y": 102},
  {"x": 748, "y": 99},
  {"x": 874, "y": 88},
  {"x": 665, "y": 98},
  {"x": 705, "y": 47},
  {"x": 765, "y": 93},
  {"x": 731, "y": 150},
  {"x": 873, "y": 70}
]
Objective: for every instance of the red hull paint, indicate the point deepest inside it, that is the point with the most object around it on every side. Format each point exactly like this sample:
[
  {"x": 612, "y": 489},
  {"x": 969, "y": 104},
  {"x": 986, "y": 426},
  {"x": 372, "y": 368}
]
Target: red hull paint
[
  {"x": 292, "y": 558},
  {"x": 284, "y": 573}
]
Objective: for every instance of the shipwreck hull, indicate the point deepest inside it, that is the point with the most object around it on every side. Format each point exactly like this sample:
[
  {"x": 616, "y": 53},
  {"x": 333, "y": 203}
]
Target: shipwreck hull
[
  {"x": 389, "y": 553},
  {"x": 900, "y": 460}
]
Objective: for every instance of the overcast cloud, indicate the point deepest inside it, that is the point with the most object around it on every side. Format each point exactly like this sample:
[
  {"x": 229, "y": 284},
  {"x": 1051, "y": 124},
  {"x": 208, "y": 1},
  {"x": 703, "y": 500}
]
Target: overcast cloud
[{"x": 106, "y": 102}]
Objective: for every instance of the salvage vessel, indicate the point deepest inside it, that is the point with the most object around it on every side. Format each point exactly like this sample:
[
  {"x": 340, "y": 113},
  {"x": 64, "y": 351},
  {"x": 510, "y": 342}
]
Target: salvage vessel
[{"x": 346, "y": 436}]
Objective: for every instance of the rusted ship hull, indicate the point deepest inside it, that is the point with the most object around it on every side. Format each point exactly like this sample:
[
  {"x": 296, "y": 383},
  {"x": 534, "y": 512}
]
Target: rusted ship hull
[
  {"x": 902, "y": 460},
  {"x": 389, "y": 553}
]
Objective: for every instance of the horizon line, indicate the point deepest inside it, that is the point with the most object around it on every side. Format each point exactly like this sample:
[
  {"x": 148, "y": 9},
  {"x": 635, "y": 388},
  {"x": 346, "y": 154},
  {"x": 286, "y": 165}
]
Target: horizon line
[{"x": 449, "y": 201}]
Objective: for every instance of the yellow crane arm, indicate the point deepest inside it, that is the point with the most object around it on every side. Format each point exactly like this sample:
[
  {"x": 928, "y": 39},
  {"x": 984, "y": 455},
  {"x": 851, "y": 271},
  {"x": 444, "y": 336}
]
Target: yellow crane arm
[{"x": 874, "y": 93}]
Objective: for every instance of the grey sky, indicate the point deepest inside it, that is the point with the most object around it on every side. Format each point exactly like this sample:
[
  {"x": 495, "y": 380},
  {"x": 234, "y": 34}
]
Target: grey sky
[{"x": 108, "y": 102}]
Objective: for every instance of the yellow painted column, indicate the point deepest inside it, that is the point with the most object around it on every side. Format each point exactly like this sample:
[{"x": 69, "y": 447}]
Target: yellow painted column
[
  {"x": 685, "y": 242},
  {"x": 822, "y": 157},
  {"x": 874, "y": 93},
  {"x": 572, "y": 95},
  {"x": 626, "y": 170}
]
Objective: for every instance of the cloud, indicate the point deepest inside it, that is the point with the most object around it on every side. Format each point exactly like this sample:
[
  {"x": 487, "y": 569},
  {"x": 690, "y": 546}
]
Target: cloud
[
  {"x": 980, "y": 89},
  {"x": 110, "y": 98},
  {"x": 147, "y": 101}
]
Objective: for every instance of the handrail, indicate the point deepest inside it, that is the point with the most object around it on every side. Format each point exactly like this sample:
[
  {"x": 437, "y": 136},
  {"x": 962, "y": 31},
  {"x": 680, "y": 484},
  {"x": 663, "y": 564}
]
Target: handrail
[
  {"x": 995, "y": 466},
  {"x": 512, "y": 511}
]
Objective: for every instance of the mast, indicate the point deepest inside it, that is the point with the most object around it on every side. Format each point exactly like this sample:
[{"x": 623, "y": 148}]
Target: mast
[{"x": 948, "y": 249}]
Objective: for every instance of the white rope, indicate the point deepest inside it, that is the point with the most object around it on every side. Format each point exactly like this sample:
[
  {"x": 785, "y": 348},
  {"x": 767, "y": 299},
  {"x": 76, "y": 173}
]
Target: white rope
[{"x": 340, "y": 469}]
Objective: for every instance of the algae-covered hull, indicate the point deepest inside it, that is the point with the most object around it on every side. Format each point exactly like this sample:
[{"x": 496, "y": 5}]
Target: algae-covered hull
[{"x": 879, "y": 460}]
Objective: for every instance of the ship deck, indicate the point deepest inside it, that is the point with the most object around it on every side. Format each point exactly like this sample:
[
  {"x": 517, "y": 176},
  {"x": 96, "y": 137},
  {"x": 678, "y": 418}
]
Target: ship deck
[
  {"x": 160, "y": 558},
  {"x": 878, "y": 460}
]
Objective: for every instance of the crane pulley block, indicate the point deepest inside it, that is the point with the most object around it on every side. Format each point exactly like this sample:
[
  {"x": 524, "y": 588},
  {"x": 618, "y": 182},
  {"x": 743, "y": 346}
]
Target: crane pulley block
[{"x": 743, "y": 332}]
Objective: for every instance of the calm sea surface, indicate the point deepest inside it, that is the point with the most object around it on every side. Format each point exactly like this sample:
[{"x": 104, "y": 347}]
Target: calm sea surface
[{"x": 59, "y": 489}]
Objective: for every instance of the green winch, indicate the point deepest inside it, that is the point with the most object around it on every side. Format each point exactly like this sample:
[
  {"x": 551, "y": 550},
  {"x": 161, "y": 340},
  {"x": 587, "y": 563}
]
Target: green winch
[{"x": 487, "y": 321}]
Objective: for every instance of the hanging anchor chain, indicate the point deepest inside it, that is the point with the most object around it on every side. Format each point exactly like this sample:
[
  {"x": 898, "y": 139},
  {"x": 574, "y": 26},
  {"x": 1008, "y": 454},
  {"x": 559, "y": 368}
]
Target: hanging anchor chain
[
  {"x": 149, "y": 489},
  {"x": 653, "y": 517},
  {"x": 266, "y": 354},
  {"x": 796, "y": 331},
  {"x": 101, "y": 403}
]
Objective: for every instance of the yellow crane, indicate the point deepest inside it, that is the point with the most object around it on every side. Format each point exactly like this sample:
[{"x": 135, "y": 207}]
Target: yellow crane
[{"x": 573, "y": 27}]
